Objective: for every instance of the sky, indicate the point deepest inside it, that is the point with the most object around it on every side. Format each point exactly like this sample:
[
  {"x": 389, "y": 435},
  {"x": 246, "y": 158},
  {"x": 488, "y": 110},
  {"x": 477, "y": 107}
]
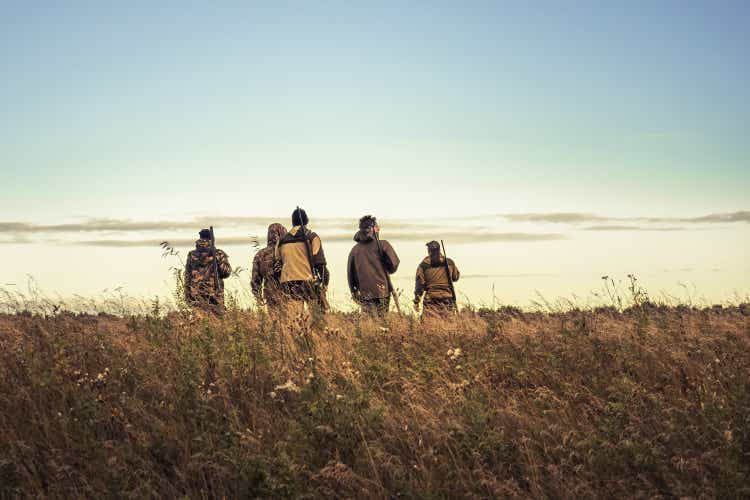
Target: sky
[{"x": 549, "y": 144}]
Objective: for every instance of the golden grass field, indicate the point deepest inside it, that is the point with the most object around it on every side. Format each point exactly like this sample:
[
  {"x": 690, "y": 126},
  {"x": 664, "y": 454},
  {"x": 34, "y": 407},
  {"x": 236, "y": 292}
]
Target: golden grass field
[{"x": 647, "y": 402}]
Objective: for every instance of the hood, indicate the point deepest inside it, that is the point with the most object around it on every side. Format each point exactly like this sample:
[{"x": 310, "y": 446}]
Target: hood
[
  {"x": 295, "y": 235},
  {"x": 361, "y": 237},
  {"x": 435, "y": 261},
  {"x": 275, "y": 232}
]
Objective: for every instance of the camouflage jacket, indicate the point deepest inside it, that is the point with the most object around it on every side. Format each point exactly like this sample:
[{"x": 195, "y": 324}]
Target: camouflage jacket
[
  {"x": 267, "y": 270},
  {"x": 200, "y": 281},
  {"x": 265, "y": 281}
]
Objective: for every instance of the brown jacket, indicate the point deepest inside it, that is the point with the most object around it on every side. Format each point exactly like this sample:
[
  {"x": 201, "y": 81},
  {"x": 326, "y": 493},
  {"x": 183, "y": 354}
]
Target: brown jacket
[
  {"x": 366, "y": 270},
  {"x": 295, "y": 264},
  {"x": 432, "y": 280}
]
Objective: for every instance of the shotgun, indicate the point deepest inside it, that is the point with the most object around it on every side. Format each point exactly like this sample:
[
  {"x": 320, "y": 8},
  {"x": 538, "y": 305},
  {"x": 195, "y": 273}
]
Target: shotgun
[
  {"x": 215, "y": 262},
  {"x": 449, "y": 276},
  {"x": 387, "y": 275}
]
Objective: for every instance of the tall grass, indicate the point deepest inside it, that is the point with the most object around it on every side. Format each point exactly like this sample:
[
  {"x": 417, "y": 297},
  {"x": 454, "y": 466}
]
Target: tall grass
[{"x": 643, "y": 401}]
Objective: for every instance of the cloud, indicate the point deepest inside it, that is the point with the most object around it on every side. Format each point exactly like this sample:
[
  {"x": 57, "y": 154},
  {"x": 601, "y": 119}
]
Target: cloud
[
  {"x": 742, "y": 216},
  {"x": 180, "y": 243},
  {"x": 581, "y": 218},
  {"x": 452, "y": 237},
  {"x": 94, "y": 225},
  {"x": 631, "y": 228},
  {"x": 126, "y": 225},
  {"x": 555, "y": 217},
  {"x": 16, "y": 240},
  {"x": 343, "y": 228},
  {"x": 517, "y": 275}
]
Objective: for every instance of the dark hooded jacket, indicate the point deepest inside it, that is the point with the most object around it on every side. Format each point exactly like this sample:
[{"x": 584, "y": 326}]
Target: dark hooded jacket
[
  {"x": 366, "y": 269},
  {"x": 265, "y": 274}
]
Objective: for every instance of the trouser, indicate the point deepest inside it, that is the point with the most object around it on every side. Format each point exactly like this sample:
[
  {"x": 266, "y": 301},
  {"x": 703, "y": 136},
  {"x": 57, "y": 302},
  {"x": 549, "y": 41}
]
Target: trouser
[
  {"x": 298, "y": 293},
  {"x": 208, "y": 303},
  {"x": 377, "y": 306},
  {"x": 438, "y": 306},
  {"x": 274, "y": 300}
]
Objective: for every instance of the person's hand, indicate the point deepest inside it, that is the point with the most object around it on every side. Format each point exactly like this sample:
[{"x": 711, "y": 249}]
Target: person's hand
[{"x": 416, "y": 306}]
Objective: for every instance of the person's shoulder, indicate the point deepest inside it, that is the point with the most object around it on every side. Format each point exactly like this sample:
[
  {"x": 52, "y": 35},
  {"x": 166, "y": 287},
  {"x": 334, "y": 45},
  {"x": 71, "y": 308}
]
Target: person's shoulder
[
  {"x": 263, "y": 252},
  {"x": 425, "y": 263},
  {"x": 450, "y": 262}
]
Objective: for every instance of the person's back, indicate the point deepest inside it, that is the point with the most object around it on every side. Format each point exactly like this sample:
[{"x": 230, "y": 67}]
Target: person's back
[
  {"x": 201, "y": 286},
  {"x": 434, "y": 282},
  {"x": 266, "y": 274},
  {"x": 297, "y": 276},
  {"x": 367, "y": 267}
]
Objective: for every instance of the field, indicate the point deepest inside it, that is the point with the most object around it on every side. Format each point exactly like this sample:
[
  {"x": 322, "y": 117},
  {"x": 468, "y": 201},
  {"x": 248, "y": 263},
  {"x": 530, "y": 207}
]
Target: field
[{"x": 647, "y": 401}]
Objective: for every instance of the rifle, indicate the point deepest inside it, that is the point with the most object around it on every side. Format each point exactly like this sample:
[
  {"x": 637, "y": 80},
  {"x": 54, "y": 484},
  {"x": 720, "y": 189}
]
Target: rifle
[
  {"x": 318, "y": 286},
  {"x": 217, "y": 281},
  {"x": 387, "y": 276},
  {"x": 450, "y": 278}
]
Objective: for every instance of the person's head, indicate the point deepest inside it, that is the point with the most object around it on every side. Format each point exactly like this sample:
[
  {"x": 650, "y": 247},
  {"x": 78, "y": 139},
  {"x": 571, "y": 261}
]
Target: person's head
[
  {"x": 299, "y": 217},
  {"x": 368, "y": 225},
  {"x": 433, "y": 248},
  {"x": 205, "y": 234},
  {"x": 276, "y": 231}
]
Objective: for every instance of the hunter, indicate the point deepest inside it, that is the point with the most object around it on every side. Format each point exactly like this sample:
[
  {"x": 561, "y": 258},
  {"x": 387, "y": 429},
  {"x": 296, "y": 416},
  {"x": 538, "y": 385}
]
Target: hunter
[
  {"x": 304, "y": 275},
  {"x": 371, "y": 260},
  {"x": 205, "y": 271},
  {"x": 266, "y": 274},
  {"x": 434, "y": 282}
]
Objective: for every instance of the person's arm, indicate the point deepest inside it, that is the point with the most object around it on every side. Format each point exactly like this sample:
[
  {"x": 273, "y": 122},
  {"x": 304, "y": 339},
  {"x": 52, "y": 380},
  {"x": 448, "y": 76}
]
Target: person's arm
[
  {"x": 277, "y": 253},
  {"x": 188, "y": 279},
  {"x": 351, "y": 276},
  {"x": 256, "y": 282},
  {"x": 390, "y": 259},
  {"x": 455, "y": 274},
  {"x": 419, "y": 286},
  {"x": 319, "y": 258},
  {"x": 225, "y": 270}
]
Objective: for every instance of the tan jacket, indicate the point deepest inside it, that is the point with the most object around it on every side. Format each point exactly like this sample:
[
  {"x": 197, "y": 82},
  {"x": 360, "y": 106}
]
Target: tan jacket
[
  {"x": 432, "y": 280},
  {"x": 292, "y": 253}
]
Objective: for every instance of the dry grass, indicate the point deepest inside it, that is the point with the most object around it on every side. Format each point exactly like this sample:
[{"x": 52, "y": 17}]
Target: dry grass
[{"x": 649, "y": 402}]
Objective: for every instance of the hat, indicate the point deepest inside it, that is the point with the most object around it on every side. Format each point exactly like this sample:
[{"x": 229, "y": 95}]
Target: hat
[
  {"x": 367, "y": 221},
  {"x": 433, "y": 245},
  {"x": 299, "y": 217},
  {"x": 205, "y": 234}
]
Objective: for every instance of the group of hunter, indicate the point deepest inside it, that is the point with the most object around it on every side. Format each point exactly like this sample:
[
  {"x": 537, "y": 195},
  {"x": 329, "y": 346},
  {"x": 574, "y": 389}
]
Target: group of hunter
[{"x": 291, "y": 272}]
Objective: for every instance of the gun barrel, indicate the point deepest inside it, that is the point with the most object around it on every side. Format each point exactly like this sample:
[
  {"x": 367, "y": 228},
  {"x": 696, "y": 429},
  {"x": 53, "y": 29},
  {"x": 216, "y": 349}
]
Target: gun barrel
[
  {"x": 215, "y": 263},
  {"x": 387, "y": 276},
  {"x": 448, "y": 274}
]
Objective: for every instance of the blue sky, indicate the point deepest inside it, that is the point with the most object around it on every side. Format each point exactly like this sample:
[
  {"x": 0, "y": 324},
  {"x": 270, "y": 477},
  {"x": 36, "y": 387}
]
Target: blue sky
[
  {"x": 190, "y": 109},
  {"x": 631, "y": 104}
]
